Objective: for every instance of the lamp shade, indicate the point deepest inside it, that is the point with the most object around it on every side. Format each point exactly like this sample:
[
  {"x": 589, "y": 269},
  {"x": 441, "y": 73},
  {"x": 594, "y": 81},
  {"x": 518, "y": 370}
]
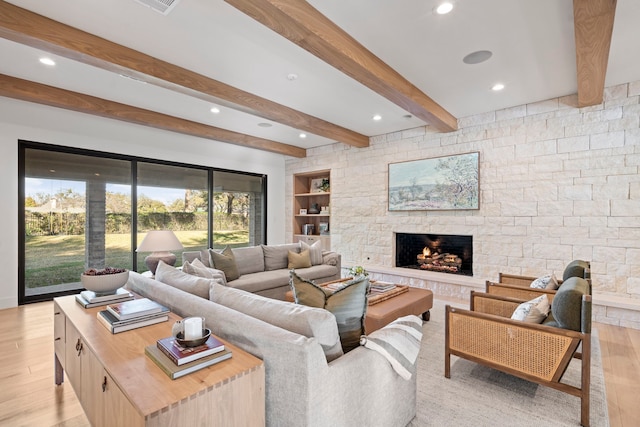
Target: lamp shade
[{"x": 159, "y": 243}]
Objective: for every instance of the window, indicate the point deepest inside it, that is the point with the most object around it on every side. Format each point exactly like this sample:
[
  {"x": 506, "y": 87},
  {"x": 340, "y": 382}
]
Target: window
[{"x": 81, "y": 210}]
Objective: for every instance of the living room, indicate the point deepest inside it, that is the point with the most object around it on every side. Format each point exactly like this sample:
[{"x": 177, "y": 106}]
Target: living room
[{"x": 556, "y": 183}]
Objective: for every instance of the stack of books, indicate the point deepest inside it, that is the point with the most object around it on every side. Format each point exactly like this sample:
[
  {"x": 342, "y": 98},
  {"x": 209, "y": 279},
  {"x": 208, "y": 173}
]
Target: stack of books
[
  {"x": 132, "y": 314},
  {"x": 176, "y": 360},
  {"x": 89, "y": 299},
  {"x": 379, "y": 287}
]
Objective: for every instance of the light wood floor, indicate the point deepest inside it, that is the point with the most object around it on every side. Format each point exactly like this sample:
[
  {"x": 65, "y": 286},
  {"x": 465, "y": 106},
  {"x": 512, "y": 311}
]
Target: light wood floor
[{"x": 28, "y": 396}]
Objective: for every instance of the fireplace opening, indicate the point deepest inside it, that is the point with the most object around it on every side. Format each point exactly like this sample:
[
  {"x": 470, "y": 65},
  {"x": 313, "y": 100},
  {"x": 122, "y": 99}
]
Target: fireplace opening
[{"x": 443, "y": 253}]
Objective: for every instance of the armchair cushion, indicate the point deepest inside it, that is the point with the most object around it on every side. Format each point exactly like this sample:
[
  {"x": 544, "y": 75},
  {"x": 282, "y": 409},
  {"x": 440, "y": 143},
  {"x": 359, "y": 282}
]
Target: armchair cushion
[
  {"x": 567, "y": 304},
  {"x": 533, "y": 311},
  {"x": 545, "y": 282},
  {"x": 575, "y": 268}
]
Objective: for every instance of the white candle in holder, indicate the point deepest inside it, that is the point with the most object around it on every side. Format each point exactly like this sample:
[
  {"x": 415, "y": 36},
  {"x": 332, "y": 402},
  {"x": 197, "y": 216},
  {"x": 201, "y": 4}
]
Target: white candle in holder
[{"x": 192, "y": 328}]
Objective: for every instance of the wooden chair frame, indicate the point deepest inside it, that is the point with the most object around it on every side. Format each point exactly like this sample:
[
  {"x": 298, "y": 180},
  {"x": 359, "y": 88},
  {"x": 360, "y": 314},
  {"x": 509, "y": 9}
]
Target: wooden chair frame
[{"x": 485, "y": 334}]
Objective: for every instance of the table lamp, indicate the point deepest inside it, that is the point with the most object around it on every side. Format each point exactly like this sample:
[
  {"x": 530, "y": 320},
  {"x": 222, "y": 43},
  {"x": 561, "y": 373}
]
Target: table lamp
[{"x": 159, "y": 243}]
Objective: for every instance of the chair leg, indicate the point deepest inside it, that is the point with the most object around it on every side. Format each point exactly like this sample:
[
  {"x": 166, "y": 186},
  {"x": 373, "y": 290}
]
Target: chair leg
[{"x": 585, "y": 385}]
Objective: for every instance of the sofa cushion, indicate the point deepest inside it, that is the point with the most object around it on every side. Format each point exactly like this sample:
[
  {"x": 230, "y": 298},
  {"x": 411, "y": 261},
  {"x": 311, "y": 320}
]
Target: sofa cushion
[
  {"x": 249, "y": 259},
  {"x": 276, "y": 256},
  {"x": 566, "y": 306},
  {"x": 197, "y": 268},
  {"x": 315, "y": 251},
  {"x": 299, "y": 260},
  {"x": 307, "y": 321},
  {"x": 224, "y": 261},
  {"x": 533, "y": 311},
  {"x": 348, "y": 305},
  {"x": 178, "y": 279}
]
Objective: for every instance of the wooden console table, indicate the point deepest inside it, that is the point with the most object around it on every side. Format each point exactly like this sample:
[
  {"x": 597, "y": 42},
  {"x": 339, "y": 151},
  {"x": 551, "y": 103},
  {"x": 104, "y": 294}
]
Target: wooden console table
[{"x": 118, "y": 385}]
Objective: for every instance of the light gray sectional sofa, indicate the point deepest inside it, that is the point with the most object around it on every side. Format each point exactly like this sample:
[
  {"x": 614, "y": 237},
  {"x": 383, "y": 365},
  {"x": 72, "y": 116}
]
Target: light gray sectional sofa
[
  {"x": 309, "y": 381},
  {"x": 264, "y": 269}
]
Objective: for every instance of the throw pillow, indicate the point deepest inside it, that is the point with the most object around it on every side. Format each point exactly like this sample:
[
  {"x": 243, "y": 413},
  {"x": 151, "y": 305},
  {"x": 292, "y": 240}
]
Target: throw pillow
[
  {"x": 178, "y": 279},
  {"x": 197, "y": 268},
  {"x": 348, "y": 305},
  {"x": 224, "y": 261},
  {"x": 398, "y": 342},
  {"x": 299, "y": 260},
  {"x": 533, "y": 311},
  {"x": 545, "y": 282},
  {"x": 315, "y": 251}
]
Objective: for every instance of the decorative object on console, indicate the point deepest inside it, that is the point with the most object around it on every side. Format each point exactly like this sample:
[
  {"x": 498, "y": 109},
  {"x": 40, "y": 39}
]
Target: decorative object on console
[
  {"x": 442, "y": 183},
  {"x": 358, "y": 270},
  {"x": 104, "y": 281},
  {"x": 88, "y": 299},
  {"x": 174, "y": 371},
  {"x": 136, "y": 308},
  {"x": 159, "y": 243},
  {"x": 180, "y": 354}
]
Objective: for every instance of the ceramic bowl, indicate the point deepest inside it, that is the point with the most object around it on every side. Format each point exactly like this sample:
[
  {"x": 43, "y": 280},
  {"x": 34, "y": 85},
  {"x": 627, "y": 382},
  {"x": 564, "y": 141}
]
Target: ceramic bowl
[
  {"x": 193, "y": 343},
  {"x": 105, "y": 284}
]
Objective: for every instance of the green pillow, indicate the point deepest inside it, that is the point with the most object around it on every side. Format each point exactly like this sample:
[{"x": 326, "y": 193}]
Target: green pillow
[
  {"x": 226, "y": 262},
  {"x": 299, "y": 260},
  {"x": 348, "y": 305}
]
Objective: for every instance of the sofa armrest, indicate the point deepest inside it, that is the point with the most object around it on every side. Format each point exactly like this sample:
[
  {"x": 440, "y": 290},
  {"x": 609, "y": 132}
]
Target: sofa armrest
[{"x": 332, "y": 258}]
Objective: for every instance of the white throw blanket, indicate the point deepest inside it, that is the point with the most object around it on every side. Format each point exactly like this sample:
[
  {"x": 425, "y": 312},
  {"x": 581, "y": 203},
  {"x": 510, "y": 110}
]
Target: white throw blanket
[{"x": 398, "y": 342}]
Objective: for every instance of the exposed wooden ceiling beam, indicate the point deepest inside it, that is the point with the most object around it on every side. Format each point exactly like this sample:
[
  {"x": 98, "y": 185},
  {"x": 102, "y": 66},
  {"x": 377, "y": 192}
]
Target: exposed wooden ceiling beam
[
  {"x": 12, "y": 87},
  {"x": 593, "y": 26},
  {"x": 31, "y": 29},
  {"x": 305, "y": 26}
]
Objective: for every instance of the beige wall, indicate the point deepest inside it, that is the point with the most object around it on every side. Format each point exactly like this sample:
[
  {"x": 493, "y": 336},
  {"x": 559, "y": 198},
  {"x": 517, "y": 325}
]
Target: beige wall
[{"x": 556, "y": 183}]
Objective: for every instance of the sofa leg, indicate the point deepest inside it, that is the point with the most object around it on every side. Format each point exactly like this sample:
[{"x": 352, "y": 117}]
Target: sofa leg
[{"x": 426, "y": 316}]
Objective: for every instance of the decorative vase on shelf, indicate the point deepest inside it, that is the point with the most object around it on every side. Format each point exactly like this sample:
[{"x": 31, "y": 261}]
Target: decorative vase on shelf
[{"x": 314, "y": 208}]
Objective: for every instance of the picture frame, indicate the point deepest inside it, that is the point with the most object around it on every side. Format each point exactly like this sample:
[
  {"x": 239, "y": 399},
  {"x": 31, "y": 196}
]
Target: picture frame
[
  {"x": 303, "y": 211},
  {"x": 316, "y": 185},
  {"x": 323, "y": 228},
  {"x": 439, "y": 183}
]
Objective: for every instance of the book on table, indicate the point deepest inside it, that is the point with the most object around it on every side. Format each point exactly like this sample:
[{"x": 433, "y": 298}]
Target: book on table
[
  {"x": 181, "y": 355},
  {"x": 109, "y": 321},
  {"x": 136, "y": 308},
  {"x": 176, "y": 371},
  {"x": 89, "y": 299}
]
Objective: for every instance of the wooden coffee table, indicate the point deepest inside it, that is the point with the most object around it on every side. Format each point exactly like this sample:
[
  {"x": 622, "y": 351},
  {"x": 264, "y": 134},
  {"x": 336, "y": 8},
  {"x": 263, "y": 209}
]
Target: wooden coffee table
[{"x": 416, "y": 301}]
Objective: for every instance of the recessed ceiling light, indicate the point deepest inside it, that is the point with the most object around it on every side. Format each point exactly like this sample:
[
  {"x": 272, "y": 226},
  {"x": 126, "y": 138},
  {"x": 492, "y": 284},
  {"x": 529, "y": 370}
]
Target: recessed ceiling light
[
  {"x": 303, "y": 135},
  {"x": 292, "y": 76},
  {"x": 477, "y": 57},
  {"x": 215, "y": 110},
  {"x": 377, "y": 117},
  {"x": 497, "y": 87},
  {"x": 47, "y": 61},
  {"x": 265, "y": 125},
  {"x": 407, "y": 116},
  {"x": 444, "y": 8}
]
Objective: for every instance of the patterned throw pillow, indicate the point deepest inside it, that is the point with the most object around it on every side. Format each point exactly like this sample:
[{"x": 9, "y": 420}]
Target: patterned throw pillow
[
  {"x": 197, "y": 268},
  {"x": 226, "y": 262},
  {"x": 299, "y": 260},
  {"x": 545, "y": 282},
  {"x": 534, "y": 311},
  {"x": 315, "y": 251},
  {"x": 348, "y": 305}
]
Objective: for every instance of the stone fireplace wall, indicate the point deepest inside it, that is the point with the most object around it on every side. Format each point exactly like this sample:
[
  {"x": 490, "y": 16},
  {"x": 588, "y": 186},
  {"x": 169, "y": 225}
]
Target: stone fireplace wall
[{"x": 557, "y": 183}]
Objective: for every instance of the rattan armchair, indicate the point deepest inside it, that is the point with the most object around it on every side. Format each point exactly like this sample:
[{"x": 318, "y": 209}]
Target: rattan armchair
[{"x": 539, "y": 353}]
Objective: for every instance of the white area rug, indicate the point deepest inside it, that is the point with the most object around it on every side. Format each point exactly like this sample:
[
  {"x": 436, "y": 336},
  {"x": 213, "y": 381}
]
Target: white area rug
[{"x": 479, "y": 396}]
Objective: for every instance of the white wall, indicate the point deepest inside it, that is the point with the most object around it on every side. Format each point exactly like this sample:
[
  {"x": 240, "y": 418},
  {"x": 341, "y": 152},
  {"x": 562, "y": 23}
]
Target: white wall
[
  {"x": 22, "y": 120},
  {"x": 557, "y": 183}
]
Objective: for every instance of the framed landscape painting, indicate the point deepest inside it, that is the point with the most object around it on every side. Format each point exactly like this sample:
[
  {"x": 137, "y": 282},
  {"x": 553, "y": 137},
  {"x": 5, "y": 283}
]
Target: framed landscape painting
[{"x": 440, "y": 183}]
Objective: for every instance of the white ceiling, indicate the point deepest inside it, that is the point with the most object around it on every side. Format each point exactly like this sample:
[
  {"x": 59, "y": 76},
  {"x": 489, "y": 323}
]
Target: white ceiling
[{"x": 532, "y": 44}]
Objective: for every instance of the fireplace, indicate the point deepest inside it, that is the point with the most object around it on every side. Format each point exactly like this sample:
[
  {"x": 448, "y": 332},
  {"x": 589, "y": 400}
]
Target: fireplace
[{"x": 443, "y": 253}]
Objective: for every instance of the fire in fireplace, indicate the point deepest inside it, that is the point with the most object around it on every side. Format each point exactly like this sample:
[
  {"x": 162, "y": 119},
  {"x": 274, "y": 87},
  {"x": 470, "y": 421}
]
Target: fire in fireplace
[{"x": 443, "y": 253}]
